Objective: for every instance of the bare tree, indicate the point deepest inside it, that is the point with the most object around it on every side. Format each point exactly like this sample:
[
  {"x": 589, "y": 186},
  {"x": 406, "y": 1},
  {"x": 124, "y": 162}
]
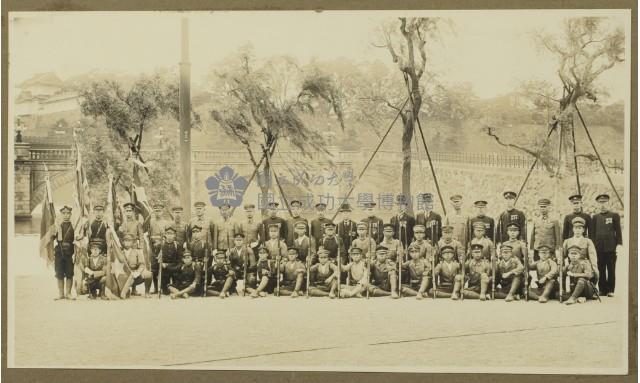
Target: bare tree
[
  {"x": 586, "y": 48},
  {"x": 406, "y": 42}
]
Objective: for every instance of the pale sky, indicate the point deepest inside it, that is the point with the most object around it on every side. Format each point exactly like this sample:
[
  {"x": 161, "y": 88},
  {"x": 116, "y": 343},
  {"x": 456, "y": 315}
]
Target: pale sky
[{"x": 492, "y": 50}]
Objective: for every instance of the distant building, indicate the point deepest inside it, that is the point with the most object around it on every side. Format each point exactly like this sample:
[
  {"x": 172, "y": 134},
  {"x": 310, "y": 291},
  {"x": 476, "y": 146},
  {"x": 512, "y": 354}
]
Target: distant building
[{"x": 42, "y": 94}]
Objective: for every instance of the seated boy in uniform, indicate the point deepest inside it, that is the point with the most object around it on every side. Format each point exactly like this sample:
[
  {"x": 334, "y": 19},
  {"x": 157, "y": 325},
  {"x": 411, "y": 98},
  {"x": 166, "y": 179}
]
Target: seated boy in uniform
[
  {"x": 222, "y": 276},
  {"x": 579, "y": 272},
  {"x": 94, "y": 270},
  {"x": 419, "y": 272},
  {"x": 292, "y": 274},
  {"x": 323, "y": 281},
  {"x": 265, "y": 275},
  {"x": 546, "y": 272},
  {"x": 135, "y": 260},
  {"x": 478, "y": 273},
  {"x": 242, "y": 260},
  {"x": 509, "y": 271},
  {"x": 199, "y": 251},
  {"x": 357, "y": 274},
  {"x": 446, "y": 272},
  {"x": 185, "y": 279},
  {"x": 384, "y": 280},
  {"x": 426, "y": 250}
]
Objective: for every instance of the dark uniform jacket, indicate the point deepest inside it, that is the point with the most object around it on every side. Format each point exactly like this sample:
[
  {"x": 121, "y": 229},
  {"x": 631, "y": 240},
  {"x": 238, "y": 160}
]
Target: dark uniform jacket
[
  {"x": 306, "y": 247},
  {"x": 238, "y": 258},
  {"x": 181, "y": 233},
  {"x": 291, "y": 228},
  {"x": 266, "y": 268},
  {"x": 186, "y": 275},
  {"x": 432, "y": 220},
  {"x": 581, "y": 267},
  {"x": 264, "y": 228},
  {"x": 605, "y": 232},
  {"x": 507, "y": 217},
  {"x": 317, "y": 228},
  {"x": 346, "y": 230},
  {"x": 332, "y": 244},
  {"x": 381, "y": 274},
  {"x": 567, "y": 226},
  {"x": 171, "y": 255},
  {"x": 290, "y": 271},
  {"x": 98, "y": 230},
  {"x": 399, "y": 231},
  {"x": 474, "y": 270},
  {"x": 199, "y": 249},
  {"x": 97, "y": 265},
  {"x": 65, "y": 236},
  {"x": 209, "y": 232}
]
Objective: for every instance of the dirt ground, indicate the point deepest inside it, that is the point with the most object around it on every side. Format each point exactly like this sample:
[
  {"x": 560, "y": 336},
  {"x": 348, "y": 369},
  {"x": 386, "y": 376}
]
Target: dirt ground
[{"x": 379, "y": 334}]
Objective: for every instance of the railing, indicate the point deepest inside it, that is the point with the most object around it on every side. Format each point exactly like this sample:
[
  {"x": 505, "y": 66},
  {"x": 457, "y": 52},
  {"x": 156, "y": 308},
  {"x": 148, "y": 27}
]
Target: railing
[{"x": 468, "y": 159}]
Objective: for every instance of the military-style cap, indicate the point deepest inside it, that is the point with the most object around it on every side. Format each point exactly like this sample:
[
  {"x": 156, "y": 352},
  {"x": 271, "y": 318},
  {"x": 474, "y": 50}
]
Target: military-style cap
[
  {"x": 128, "y": 236},
  {"x": 578, "y": 221},
  {"x": 320, "y": 205},
  {"x": 602, "y": 197},
  {"x": 544, "y": 202},
  {"x": 274, "y": 225},
  {"x": 323, "y": 251},
  {"x": 199, "y": 204},
  {"x": 447, "y": 228},
  {"x": 419, "y": 228},
  {"x": 262, "y": 249},
  {"x": 480, "y": 203},
  {"x": 196, "y": 227},
  {"x": 221, "y": 253},
  {"x": 294, "y": 249},
  {"x": 96, "y": 242},
  {"x": 414, "y": 248},
  {"x": 186, "y": 253},
  {"x": 575, "y": 197},
  {"x": 177, "y": 208},
  {"x": 401, "y": 199},
  {"x": 98, "y": 207},
  {"x": 329, "y": 224},
  {"x": 301, "y": 224},
  {"x": 574, "y": 249},
  {"x": 344, "y": 208},
  {"x": 476, "y": 246},
  {"x": 544, "y": 247},
  {"x": 369, "y": 204},
  {"x": 362, "y": 224},
  {"x": 239, "y": 235},
  {"x": 455, "y": 197},
  {"x": 426, "y": 197},
  {"x": 295, "y": 202},
  {"x": 381, "y": 248},
  {"x": 65, "y": 208},
  {"x": 355, "y": 249},
  {"x": 248, "y": 206},
  {"x": 509, "y": 194},
  {"x": 506, "y": 247},
  {"x": 170, "y": 228},
  {"x": 387, "y": 226},
  {"x": 128, "y": 204},
  {"x": 513, "y": 225},
  {"x": 479, "y": 225},
  {"x": 446, "y": 249},
  {"x": 157, "y": 205}
]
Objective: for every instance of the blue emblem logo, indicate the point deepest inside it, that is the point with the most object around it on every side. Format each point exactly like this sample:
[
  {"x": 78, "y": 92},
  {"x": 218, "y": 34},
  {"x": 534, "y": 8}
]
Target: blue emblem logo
[{"x": 226, "y": 187}]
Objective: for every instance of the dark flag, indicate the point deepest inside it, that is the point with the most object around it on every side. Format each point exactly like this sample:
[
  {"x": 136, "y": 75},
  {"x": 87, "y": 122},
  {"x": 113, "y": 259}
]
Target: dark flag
[{"x": 48, "y": 224}]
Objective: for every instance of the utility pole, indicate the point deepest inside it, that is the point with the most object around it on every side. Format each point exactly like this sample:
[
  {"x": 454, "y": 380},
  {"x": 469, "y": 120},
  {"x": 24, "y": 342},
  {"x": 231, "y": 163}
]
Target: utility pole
[{"x": 185, "y": 121}]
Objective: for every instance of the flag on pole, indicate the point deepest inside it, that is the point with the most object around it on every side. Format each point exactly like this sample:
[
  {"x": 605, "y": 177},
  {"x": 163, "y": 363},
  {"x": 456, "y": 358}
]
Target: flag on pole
[
  {"x": 112, "y": 208},
  {"x": 81, "y": 184},
  {"x": 118, "y": 271},
  {"x": 48, "y": 223}
]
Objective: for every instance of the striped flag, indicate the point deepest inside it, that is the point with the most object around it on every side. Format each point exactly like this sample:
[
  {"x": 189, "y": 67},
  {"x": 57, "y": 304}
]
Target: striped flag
[
  {"x": 118, "y": 271},
  {"x": 48, "y": 223}
]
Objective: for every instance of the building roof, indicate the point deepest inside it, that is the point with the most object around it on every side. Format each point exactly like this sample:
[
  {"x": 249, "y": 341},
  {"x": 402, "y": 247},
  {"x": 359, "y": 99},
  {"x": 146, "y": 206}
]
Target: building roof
[{"x": 43, "y": 79}]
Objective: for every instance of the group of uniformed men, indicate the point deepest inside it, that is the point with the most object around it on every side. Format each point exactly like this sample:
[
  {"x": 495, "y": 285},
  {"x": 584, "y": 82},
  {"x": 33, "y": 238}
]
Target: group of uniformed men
[{"x": 457, "y": 257}]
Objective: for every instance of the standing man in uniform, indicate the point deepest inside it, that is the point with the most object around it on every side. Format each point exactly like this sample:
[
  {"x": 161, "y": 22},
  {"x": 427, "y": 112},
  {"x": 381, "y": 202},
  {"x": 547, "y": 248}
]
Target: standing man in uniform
[
  {"x": 155, "y": 228},
  {"x": 273, "y": 219},
  {"x": 225, "y": 230},
  {"x": 131, "y": 225},
  {"x": 250, "y": 227},
  {"x": 458, "y": 220},
  {"x": 209, "y": 233},
  {"x": 317, "y": 224},
  {"x": 431, "y": 220},
  {"x": 511, "y": 215},
  {"x": 374, "y": 224},
  {"x": 63, "y": 251},
  {"x": 347, "y": 229},
  {"x": 546, "y": 231},
  {"x": 606, "y": 234},
  {"x": 567, "y": 226},
  {"x": 98, "y": 227},
  {"x": 296, "y": 207},
  {"x": 489, "y": 225},
  {"x": 179, "y": 226},
  {"x": 403, "y": 222}
]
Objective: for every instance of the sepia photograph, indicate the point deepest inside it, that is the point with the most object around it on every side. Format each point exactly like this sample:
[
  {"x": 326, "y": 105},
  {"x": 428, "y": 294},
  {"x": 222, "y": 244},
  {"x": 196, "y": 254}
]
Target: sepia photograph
[{"x": 353, "y": 191}]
